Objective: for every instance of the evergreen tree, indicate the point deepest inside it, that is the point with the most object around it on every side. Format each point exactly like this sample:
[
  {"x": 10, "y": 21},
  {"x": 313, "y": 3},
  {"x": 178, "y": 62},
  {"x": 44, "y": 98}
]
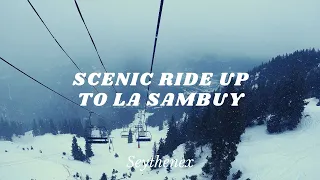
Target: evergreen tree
[
  {"x": 6, "y": 131},
  {"x": 169, "y": 168},
  {"x": 76, "y": 127},
  {"x": 20, "y": 128},
  {"x": 161, "y": 150},
  {"x": 288, "y": 104},
  {"x": 104, "y": 177},
  {"x": 161, "y": 126},
  {"x": 172, "y": 140},
  {"x": 154, "y": 154},
  {"x": 87, "y": 177},
  {"x": 53, "y": 128},
  {"x": 189, "y": 153},
  {"x": 88, "y": 150},
  {"x": 13, "y": 127},
  {"x": 130, "y": 136},
  {"x": 227, "y": 127},
  {"x": 42, "y": 127},
  {"x": 154, "y": 149},
  {"x": 65, "y": 127},
  {"x": 76, "y": 150}
]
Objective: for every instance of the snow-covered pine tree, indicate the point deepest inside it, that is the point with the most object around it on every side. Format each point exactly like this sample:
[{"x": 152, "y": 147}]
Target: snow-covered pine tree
[
  {"x": 228, "y": 125},
  {"x": 88, "y": 150},
  {"x": 288, "y": 104},
  {"x": 76, "y": 151}
]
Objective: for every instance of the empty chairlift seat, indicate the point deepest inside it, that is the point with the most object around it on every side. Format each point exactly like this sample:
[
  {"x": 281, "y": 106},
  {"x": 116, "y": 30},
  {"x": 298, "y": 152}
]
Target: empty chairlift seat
[
  {"x": 97, "y": 135},
  {"x": 143, "y": 136}
]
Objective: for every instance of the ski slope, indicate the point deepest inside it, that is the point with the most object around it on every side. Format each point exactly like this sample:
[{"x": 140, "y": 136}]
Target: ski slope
[
  {"x": 288, "y": 156},
  {"x": 19, "y": 164}
]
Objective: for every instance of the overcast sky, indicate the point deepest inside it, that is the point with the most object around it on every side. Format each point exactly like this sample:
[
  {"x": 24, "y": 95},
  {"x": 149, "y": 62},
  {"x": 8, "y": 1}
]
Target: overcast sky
[
  {"x": 124, "y": 29},
  {"x": 124, "y": 33}
]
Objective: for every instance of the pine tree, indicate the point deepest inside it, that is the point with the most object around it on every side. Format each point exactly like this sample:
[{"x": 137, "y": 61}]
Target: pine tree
[
  {"x": 6, "y": 132},
  {"x": 64, "y": 129},
  {"x": 88, "y": 150},
  {"x": 288, "y": 104},
  {"x": 41, "y": 126},
  {"x": 20, "y": 128},
  {"x": 228, "y": 125},
  {"x": 87, "y": 177},
  {"x": 161, "y": 150},
  {"x": 189, "y": 153},
  {"x": 53, "y": 128},
  {"x": 154, "y": 154},
  {"x": 77, "y": 128},
  {"x": 130, "y": 138},
  {"x": 104, "y": 177},
  {"x": 76, "y": 150},
  {"x": 161, "y": 126},
  {"x": 169, "y": 168},
  {"x": 154, "y": 149},
  {"x": 172, "y": 140}
]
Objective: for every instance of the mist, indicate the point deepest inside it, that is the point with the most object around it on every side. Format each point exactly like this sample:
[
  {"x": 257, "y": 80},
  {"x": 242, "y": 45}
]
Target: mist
[
  {"x": 124, "y": 33},
  {"x": 124, "y": 30}
]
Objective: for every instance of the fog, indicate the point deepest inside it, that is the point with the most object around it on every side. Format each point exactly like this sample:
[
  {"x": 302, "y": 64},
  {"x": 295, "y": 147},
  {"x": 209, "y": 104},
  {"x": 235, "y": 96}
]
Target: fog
[
  {"x": 124, "y": 33},
  {"x": 124, "y": 30}
]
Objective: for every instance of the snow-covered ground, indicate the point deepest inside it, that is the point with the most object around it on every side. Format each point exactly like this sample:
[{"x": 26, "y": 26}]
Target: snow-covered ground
[
  {"x": 19, "y": 164},
  {"x": 287, "y": 156}
]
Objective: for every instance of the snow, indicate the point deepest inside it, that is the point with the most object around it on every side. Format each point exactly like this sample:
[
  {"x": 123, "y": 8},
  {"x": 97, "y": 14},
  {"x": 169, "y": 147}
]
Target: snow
[
  {"x": 255, "y": 86},
  {"x": 257, "y": 76},
  {"x": 21, "y": 164},
  {"x": 286, "y": 156}
]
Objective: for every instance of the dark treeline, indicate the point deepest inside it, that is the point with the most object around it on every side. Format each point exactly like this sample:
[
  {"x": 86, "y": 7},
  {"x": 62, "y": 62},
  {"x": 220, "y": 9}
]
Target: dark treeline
[
  {"x": 10, "y": 128},
  {"x": 72, "y": 126},
  {"x": 275, "y": 94},
  {"x": 276, "y": 90}
]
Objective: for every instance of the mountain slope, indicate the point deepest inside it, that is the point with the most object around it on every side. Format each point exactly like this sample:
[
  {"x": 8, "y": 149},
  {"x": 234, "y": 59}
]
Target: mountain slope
[
  {"x": 286, "y": 156},
  {"x": 291, "y": 155}
]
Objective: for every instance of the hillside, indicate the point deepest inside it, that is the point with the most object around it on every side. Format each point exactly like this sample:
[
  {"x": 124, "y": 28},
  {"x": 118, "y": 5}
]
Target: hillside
[
  {"x": 286, "y": 156},
  {"x": 261, "y": 156}
]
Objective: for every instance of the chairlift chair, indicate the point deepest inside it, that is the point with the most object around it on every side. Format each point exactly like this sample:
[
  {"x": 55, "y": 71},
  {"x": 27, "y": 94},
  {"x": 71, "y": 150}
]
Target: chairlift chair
[
  {"x": 142, "y": 134},
  {"x": 124, "y": 133},
  {"x": 97, "y": 135}
]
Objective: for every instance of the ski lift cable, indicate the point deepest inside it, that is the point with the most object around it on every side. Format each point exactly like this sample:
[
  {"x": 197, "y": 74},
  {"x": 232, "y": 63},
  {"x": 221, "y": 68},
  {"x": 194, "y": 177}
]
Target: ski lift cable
[
  {"x": 154, "y": 51},
  {"x": 56, "y": 40},
  {"x": 50, "y": 88},
  {"x": 94, "y": 44}
]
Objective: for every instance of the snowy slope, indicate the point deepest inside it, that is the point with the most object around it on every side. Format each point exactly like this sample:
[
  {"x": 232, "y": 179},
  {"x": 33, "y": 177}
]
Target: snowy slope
[
  {"x": 288, "y": 156},
  {"x": 21, "y": 164}
]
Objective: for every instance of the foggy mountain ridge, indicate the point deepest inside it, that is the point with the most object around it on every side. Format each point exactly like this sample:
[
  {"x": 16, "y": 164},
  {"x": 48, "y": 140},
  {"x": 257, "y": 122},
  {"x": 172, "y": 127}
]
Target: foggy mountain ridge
[{"x": 37, "y": 102}]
